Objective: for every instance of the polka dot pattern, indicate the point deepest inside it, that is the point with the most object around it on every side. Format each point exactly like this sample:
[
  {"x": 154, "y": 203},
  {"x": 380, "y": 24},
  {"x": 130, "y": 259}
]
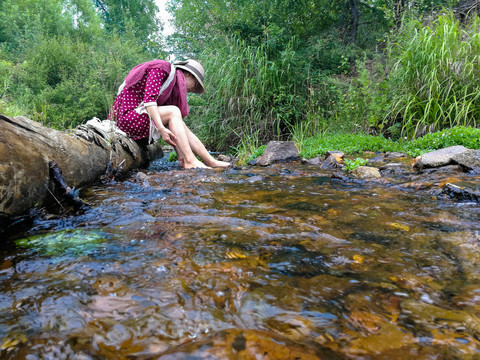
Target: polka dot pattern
[{"x": 146, "y": 90}]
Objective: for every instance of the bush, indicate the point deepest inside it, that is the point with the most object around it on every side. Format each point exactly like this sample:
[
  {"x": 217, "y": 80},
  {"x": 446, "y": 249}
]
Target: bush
[
  {"x": 435, "y": 81},
  {"x": 65, "y": 81}
]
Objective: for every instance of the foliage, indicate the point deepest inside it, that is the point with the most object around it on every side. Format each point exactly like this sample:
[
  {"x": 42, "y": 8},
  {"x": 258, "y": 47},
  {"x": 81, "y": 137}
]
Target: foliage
[
  {"x": 357, "y": 143},
  {"x": 173, "y": 156},
  {"x": 350, "y": 143},
  {"x": 354, "y": 163},
  {"x": 458, "y": 135},
  {"x": 249, "y": 92},
  {"x": 122, "y": 17},
  {"x": 58, "y": 63},
  {"x": 434, "y": 82}
]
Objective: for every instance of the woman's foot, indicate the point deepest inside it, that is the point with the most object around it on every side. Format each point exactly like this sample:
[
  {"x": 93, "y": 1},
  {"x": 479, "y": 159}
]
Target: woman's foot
[
  {"x": 197, "y": 164},
  {"x": 218, "y": 164}
]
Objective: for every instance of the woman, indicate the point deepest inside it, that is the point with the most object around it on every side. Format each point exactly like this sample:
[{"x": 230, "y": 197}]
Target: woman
[{"x": 152, "y": 102}]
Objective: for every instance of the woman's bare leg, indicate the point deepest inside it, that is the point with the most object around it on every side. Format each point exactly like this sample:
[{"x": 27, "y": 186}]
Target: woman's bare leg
[
  {"x": 172, "y": 119},
  {"x": 199, "y": 149}
]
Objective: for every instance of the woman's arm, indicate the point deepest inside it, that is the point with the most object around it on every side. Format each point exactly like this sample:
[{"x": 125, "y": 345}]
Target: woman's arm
[{"x": 167, "y": 136}]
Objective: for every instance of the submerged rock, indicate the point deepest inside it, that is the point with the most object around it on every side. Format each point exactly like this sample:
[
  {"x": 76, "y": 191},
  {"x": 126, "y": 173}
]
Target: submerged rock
[
  {"x": 393, "y": 169},
  {"x": 460, "y": 193},
  {"x": 438, "y": 158},
  {"x": 277, "y": 151},
  {"x": 248, "y": 344},
  {"x": 366, "y": 172}
]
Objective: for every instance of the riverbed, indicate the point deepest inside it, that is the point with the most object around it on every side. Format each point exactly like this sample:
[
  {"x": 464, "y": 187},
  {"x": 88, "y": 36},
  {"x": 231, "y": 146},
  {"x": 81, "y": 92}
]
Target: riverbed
[{"x": 282, "y": 262}]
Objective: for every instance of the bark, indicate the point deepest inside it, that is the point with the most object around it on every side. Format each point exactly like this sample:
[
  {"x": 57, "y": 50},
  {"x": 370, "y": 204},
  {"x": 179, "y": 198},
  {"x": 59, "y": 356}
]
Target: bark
[
  {"x": 27, "y": 148},
  {"x": 355, "y": 15}
]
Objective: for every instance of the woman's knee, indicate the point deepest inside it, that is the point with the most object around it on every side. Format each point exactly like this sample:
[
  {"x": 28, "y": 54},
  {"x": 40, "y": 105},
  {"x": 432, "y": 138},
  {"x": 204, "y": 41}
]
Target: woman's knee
[{"x": 170, "y": 112}]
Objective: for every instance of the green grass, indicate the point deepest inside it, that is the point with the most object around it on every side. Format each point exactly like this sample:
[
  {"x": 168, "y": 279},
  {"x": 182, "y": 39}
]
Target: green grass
[
  {"x": 357, "y": 143},
  {"x": 434, "y": 82}
]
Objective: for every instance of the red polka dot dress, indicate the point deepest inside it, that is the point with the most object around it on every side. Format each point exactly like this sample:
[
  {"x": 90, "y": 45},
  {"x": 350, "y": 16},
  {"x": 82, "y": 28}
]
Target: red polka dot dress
[{"x": 130, "y": 105}]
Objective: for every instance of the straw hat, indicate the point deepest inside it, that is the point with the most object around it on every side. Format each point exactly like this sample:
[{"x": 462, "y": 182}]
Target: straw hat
[{"x": 194, "y": 68}]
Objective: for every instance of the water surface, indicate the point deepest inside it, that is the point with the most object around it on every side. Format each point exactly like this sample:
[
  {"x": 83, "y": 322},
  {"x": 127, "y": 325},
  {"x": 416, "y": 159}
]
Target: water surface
[{"x": 256, "y": 263}]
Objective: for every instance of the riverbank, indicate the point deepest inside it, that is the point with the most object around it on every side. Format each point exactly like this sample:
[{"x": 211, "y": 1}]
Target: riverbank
[{"x": 350, "y": 144}]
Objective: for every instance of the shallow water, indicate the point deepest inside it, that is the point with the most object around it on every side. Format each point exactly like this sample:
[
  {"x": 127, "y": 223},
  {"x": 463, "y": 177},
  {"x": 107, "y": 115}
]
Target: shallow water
[{"x": 257, "y": 263}]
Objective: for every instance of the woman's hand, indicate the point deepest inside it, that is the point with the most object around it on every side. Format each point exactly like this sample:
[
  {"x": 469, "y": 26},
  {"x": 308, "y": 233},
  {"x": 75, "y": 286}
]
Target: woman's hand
[{"x": 168, "y": 136}]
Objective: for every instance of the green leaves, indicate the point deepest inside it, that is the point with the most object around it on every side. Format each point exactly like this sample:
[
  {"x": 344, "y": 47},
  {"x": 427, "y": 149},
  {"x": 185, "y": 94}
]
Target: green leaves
[{"x": 354, "y": 163}]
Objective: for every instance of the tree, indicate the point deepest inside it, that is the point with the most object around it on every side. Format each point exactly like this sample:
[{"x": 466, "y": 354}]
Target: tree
[{"x": 136, "y": 16}]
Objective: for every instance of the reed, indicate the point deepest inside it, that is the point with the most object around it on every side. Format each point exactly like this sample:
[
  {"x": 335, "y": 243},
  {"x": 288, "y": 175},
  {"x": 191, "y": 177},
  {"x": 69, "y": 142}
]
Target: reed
[
  {"x": 251, "y": 90},
  {"x": 434, "y": 83}
]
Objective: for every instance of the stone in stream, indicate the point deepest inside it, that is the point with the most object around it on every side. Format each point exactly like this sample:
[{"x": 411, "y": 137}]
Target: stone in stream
[
  {"x": 366, "y": 172},
  {"x": 314, "y": 161},
  {"x": 420, "y": 312},
  {"x": 460, "y": 193},
  {"x": 331, "y": 162},
  {"x": 277, "y": 151},
  {"x": 393, "y": 169},
  {"x": 438, "y": 158},
  {"x": 338, "y": 155},
  {"x": 469, "y": 160},
  {"x": 395, "y": 155},
  {"x": 249, "y": 344}
]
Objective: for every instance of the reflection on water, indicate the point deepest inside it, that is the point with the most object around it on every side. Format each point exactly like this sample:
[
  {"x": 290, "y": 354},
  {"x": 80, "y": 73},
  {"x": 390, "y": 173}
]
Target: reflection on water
[{"x": 274, "y": 263}]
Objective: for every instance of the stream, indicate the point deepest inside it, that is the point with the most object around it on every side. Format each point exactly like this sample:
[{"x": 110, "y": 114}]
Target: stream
[{"x": 282, "y": 262}]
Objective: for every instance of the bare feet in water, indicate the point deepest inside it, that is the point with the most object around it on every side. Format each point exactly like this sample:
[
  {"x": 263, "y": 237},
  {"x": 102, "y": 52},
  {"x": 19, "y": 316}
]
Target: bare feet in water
[
  {"x": 197, "y": 164},
  {"x": 219, "y": 164}
]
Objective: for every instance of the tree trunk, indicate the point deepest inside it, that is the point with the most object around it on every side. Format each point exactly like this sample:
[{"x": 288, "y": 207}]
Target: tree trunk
[
  {"x": 355, "y": 16},
  {"x": 27, "y": 148}
]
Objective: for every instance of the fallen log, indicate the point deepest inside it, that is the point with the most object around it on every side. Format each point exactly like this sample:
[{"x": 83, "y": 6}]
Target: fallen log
[{"x": 83, "y": 156}]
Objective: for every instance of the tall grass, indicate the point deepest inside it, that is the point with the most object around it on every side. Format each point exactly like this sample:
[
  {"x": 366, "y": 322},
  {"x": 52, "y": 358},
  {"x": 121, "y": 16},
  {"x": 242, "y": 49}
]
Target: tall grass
[
  {"x": 251, "y": 90},
  {"x": 435, "y": 81}
]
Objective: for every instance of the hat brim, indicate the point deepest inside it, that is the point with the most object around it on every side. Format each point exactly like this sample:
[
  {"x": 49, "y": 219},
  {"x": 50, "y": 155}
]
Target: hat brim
[{"x": 200, "y": 88}]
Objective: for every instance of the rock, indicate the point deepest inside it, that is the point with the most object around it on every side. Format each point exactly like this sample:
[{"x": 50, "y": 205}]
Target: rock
[
  {"x": 366, "y": 172},
  {"x": 142, "y": 178},
  {"x": 251, "y": 344},
  {"x": 376, "y": 160},
  {"x": 395, "y": 155},
  {"x": 225, "y": 158},
  {"x": 420, "y": 312},
  {"x": 444, "y": 170},
  {"x": 338, "y": 155},
  {"x": 313, "y": 161},
  {"x": 277, "y": 151},
  {"x": 438, "y": 158},
  {"x": 460, "y": 193},
  {"x": 393, "y": 169},
  {"x": 331, "y": 162},
  {"x": 469, "y": 160}
]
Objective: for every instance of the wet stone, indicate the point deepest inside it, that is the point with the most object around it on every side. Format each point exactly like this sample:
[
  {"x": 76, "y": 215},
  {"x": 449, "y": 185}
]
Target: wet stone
[
  {"x": 277, "y": 151},
  {"x": 459, "y": 193},
  {"x": 438, "y": 158},
  {"x": 393, "y": 169},
  {"x": 469, "y": 160},
  {"x": 314, "y": 161},
  {"x": 366, "y": 172}
]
